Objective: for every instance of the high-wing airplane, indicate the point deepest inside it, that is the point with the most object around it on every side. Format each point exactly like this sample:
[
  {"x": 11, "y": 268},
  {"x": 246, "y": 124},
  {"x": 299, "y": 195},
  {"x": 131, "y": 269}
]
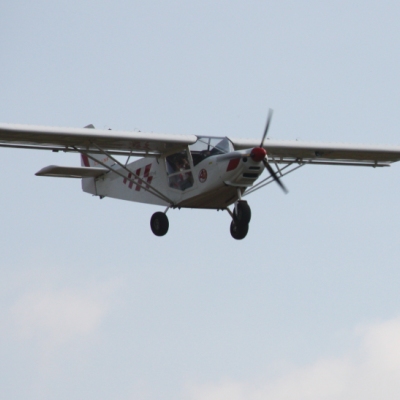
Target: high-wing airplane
[{"x": 187, "y": 171}]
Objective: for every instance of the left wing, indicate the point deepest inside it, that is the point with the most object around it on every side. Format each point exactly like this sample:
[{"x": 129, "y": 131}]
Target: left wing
[
  {"x": 114, "y": 142},
  {"x": 323, "y": 153}
]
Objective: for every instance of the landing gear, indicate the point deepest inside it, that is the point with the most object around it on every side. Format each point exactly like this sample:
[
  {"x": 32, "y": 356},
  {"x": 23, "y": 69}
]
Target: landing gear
[
  {"x": 240, "y": 220},
  {"x": 242, "y": 212},
  {"x": 239, "y": 230},
  {"x": 159, "y": 223}
]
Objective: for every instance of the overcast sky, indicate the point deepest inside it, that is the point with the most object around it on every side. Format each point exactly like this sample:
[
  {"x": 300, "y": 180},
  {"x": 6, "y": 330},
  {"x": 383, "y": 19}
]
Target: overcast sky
[{"x": 94, "y": 306}]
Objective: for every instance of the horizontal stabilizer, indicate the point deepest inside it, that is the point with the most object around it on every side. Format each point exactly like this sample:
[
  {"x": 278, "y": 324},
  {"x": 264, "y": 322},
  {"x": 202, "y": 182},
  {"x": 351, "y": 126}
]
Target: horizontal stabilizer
[{"x": 71, "y": 172}]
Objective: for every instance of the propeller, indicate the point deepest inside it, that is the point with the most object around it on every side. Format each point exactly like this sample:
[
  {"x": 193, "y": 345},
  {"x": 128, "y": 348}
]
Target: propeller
[
  {"x": 259, "y": 154},
  {"x": 270, "y": 112},
  {"x": 273, "y": 174}
]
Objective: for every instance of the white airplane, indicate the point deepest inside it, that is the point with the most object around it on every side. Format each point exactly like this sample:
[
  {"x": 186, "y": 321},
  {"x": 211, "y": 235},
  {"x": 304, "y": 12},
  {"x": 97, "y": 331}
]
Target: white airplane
[{"x": 186, "y": 171}]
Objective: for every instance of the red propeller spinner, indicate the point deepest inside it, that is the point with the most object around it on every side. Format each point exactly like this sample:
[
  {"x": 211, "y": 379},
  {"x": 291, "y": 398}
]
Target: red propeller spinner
[{"x": 258, "y": 154}]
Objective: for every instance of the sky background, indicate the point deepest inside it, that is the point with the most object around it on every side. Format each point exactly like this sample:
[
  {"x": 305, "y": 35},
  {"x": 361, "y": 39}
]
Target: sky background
[{"x": 94, "y": 306}]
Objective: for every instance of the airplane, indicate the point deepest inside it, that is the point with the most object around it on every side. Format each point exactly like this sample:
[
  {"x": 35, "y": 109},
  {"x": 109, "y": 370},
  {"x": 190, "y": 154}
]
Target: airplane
[{"x": 185, "y": 171}]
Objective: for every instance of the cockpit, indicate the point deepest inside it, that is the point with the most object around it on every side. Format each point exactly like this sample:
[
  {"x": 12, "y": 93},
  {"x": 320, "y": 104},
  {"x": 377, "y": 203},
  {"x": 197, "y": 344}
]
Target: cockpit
[
  {"x": 209, "y": 146},
  {"x": 178, "y": 165},
  {"x": 179, "y": 172}
]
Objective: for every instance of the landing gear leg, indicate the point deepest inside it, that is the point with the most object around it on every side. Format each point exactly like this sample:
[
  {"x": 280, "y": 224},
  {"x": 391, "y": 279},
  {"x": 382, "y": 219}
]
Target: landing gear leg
[{"x": 159, "y": 223}]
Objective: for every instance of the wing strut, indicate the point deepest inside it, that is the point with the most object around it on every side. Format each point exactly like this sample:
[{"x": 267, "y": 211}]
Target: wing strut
[
  {"x": 269, "y": 179},
  {"x": 142, "y": 183},
  {"x": 301, "y": 162}
]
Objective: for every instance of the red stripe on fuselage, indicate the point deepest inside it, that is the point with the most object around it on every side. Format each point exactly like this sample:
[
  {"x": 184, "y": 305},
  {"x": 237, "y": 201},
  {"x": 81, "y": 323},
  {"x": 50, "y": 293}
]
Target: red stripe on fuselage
[
  {"x": 233, "y": 164},
  {"x": 130, "y": 182},
  {"x": 147, "y": 171},
  {"x": 85, "y": 160},
  {"x": 138, "y": 183}
]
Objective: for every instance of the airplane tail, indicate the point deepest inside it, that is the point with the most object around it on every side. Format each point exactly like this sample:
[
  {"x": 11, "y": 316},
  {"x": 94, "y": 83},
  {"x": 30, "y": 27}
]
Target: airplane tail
[{"x": 95, "y": 160}]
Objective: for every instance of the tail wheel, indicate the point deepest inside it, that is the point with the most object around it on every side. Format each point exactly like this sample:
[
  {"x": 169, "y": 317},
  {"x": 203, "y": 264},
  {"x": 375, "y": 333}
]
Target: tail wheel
[
  {"x": 159, "y": 224},
  {"x": 239, "y": 230},
  {"x": 242, "y": 212}
]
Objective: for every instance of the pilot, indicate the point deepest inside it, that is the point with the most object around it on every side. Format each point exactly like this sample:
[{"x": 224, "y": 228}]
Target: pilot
[
  {"x": 181, "y": 163},
  {"x": 184, "y": 164}
]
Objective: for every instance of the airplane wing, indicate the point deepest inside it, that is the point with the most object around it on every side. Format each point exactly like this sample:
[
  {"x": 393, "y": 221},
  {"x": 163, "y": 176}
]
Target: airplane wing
[
  {"x": 323, "y": 153},
  {"x": 115, "y": 142},
  {"x": 142, "y": 144}
]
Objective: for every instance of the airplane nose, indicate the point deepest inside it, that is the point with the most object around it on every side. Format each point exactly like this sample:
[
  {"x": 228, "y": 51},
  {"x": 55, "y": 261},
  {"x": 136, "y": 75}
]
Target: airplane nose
[{"x": 258, "y": 154}]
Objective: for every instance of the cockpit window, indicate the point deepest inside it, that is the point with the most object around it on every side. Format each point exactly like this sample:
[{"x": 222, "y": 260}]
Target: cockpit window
[
  {"x": 177, "y": 162},
  {"x": 209, "y": 146},
  {"x": 178, "y": 169}
]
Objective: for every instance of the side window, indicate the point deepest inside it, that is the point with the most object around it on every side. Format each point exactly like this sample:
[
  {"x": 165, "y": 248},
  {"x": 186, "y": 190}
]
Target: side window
[{"x": 178, "y": 169}]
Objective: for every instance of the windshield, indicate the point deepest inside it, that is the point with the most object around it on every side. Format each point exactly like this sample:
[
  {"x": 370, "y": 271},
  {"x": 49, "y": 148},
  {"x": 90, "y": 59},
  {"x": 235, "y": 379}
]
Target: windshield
[{"x": 209, "y": 146}]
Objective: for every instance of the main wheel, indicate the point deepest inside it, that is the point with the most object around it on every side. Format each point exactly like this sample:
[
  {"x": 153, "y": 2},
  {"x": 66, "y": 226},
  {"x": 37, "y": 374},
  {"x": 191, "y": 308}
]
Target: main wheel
[
  {"x": 242, "y": 212},
  {"x": 239, "y": 231},
  {"x": 159, "y": 223}
]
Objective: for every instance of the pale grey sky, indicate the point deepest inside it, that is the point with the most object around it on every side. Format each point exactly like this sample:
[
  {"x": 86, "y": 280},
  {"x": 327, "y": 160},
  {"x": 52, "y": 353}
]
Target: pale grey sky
[{"x": 94, "y": 306}]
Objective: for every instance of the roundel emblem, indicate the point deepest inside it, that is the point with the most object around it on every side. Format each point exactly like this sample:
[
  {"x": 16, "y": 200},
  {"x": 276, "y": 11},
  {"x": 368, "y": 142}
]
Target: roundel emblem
[{"x": 203, "y": 175}]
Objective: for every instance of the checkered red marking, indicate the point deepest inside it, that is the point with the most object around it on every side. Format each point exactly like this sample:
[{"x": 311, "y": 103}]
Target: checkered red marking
[{"x": 139, "y": 183}]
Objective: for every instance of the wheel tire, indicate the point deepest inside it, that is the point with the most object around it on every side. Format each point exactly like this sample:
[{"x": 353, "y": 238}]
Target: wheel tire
[
  {"x": 243, "y": 213},
  {"x": 239, "y": 231},
  {"x": 159, "y": 224}
]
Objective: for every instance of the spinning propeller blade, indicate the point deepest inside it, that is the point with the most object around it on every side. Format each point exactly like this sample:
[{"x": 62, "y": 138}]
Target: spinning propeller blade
[
  {"x": 270, "y": 112},
  {"x": 265, "y": 159},
  {"x": 274, "y": 175}
]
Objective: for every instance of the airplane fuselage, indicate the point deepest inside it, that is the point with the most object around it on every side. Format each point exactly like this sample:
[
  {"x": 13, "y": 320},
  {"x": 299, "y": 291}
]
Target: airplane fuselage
[{"x": 211, "y": 183}]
